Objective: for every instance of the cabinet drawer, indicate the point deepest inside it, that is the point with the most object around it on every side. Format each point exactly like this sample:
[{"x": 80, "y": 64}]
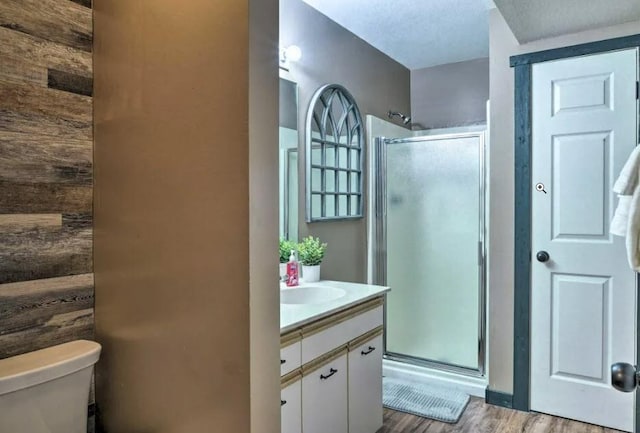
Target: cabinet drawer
[
  {"x": 290, "y": 358},
  {"x": 291, "y": 407},
  {"x": 324, "y": 405},
  {"x": 365, "y": 384},
  {"x": 321, "y": 338}
]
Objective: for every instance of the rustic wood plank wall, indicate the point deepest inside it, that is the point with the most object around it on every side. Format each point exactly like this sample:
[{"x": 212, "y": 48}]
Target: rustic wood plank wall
[{"x": 46, "y": 173}]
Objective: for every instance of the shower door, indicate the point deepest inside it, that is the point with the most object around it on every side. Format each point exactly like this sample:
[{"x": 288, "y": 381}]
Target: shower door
[{"x": 430, "y": 249}]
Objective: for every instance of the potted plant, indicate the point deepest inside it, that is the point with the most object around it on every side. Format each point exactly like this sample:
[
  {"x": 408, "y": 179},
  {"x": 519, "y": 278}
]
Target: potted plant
[
  {"x": 286, "y": 246},
  {"x": 311, "y": 252}
]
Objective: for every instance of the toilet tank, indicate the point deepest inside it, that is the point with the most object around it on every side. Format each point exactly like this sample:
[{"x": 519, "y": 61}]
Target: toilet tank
[{"x": 47, "y": 391}]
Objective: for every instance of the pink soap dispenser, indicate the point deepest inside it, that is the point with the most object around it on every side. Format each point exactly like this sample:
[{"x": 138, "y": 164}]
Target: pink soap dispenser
[{"x": 292, "y": 270}]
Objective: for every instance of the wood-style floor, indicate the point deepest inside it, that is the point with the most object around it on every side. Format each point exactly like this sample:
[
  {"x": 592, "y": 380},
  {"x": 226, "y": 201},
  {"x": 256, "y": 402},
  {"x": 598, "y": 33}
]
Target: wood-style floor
[{"x": 480, "y": 417}]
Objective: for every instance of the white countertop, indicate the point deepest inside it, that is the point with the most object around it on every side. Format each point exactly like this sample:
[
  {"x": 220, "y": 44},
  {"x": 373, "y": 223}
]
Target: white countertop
[{"x": 296, "y": 315}]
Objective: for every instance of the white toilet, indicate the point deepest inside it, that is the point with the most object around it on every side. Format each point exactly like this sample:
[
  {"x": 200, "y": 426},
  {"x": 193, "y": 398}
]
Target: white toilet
[{"x": 47, "y": 391}]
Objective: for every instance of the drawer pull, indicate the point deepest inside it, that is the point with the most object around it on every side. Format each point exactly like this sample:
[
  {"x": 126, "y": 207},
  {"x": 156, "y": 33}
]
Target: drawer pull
[
  {"x": 282, "y": 361},
  {"x": 371, "y": 349},
  {"x": 283, "y": 402},
  {"x": 332, "y": 371}
]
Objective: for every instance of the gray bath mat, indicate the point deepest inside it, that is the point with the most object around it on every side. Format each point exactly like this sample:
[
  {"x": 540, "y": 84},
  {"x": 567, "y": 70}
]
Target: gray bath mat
[{"x": 428, "y": 401}]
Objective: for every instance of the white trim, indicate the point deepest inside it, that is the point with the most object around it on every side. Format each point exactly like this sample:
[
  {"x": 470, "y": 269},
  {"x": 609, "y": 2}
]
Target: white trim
[{"x": 474, "y": 386}]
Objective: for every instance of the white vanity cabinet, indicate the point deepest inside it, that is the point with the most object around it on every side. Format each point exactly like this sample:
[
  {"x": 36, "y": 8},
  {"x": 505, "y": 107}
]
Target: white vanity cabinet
[
  {"x": 291, "y": 405},
  {"x": 339, "y": 361},
  {"x": 290, "y": 353},
  {"x": 365, "y": 383},
  {"x": 339, "y": 329},
  {"x": 325, "y": 401}
]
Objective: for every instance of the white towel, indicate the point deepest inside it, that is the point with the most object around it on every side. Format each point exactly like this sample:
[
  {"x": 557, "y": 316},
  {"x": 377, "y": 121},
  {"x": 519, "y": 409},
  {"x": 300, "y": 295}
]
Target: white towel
[
  {"x": 626, "y": 219},
  {"x": 628, "y": 178},
  {"x": 620, "y": 219},
  {"x": 633, "y": 232}
]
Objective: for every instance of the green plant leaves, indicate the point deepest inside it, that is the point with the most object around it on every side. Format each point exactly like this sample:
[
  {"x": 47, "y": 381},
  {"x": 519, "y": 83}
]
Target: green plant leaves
[
  {"x": 311, "y": 251},
  {"x": 286, "y": 246}
]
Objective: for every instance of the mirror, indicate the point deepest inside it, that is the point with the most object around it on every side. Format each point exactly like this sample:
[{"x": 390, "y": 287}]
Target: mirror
[
  {"x": 288, "y": 153},
  {"x": 334, "y": 163}
]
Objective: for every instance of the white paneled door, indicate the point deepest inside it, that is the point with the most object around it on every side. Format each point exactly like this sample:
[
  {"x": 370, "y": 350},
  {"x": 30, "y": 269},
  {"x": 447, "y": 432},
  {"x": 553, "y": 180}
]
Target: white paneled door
[{"x": 583, "y": 294}]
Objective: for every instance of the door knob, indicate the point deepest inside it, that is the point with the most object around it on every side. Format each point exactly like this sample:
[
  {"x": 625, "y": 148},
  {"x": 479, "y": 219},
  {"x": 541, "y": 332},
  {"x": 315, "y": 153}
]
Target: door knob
[
  {"x": 542, "y": 256},
  {"x": 624, "y": 377}
]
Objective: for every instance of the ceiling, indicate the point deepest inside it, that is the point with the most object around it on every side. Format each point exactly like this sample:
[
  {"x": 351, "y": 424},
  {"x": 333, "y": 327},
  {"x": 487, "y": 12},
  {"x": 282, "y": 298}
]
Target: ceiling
[
  {"x": 416, "y": 33},
  {"x": 536, "y": 19},
  {"x": 423, "y": 33}
]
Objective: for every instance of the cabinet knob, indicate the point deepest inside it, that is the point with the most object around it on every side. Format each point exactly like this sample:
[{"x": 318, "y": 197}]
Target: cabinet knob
[
  {"x": 368, "y": 351},
  {"x": 282, "y": 361},
  {"x": 332, "y": 371},
  {"x": 283, "y": 402}
]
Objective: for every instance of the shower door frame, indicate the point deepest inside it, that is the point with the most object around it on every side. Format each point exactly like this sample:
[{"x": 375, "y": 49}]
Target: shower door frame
[{"x": 379, "y": 245}]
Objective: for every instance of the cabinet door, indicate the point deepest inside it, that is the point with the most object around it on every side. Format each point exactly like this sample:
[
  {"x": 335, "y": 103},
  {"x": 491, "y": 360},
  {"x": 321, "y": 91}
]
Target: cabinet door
[
  {"x": 365, "y": 387},
  {"x": 289, "y": 358},
  {"x": 315, "y": 344},
  {"x": 324, "y": 398},
  {"x": 291, "y": 408}
]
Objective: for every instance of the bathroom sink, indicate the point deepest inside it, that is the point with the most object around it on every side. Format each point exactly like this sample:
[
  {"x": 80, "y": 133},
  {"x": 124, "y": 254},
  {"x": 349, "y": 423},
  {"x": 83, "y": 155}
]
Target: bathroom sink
[{"x": 310, "y": 295}]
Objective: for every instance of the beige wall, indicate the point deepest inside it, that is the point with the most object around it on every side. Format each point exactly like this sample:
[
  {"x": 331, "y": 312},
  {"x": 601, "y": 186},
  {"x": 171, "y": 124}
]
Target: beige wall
[
  {"x": 502, "y": 45},
  {"x": 331, "y": 54},
  {"x": 185, "y": 215},
  {"x": 449, "y": 95},
  {"x": 264, "y": 296}
]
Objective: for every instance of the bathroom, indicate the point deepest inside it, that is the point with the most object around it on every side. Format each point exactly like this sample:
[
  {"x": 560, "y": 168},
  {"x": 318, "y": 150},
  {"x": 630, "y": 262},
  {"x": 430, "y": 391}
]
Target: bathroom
[
  {"x": 139, "y": 173},
  {"x": 442, "y": 99}
]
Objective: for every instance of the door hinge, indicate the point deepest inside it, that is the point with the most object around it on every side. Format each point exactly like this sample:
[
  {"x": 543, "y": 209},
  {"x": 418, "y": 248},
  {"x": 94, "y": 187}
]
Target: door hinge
[{"x": 637, "y": 89}]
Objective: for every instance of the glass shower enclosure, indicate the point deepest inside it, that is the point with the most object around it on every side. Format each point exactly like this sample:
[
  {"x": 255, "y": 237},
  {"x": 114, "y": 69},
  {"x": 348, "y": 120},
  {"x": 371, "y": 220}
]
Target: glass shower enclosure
[{"x": 430, "y": 233}]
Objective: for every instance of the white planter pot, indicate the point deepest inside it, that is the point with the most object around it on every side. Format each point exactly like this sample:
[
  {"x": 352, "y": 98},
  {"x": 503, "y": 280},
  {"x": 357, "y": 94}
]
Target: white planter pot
[
  {"x": 283, "y": 271},
  {"x": 311, "y": 274}
]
